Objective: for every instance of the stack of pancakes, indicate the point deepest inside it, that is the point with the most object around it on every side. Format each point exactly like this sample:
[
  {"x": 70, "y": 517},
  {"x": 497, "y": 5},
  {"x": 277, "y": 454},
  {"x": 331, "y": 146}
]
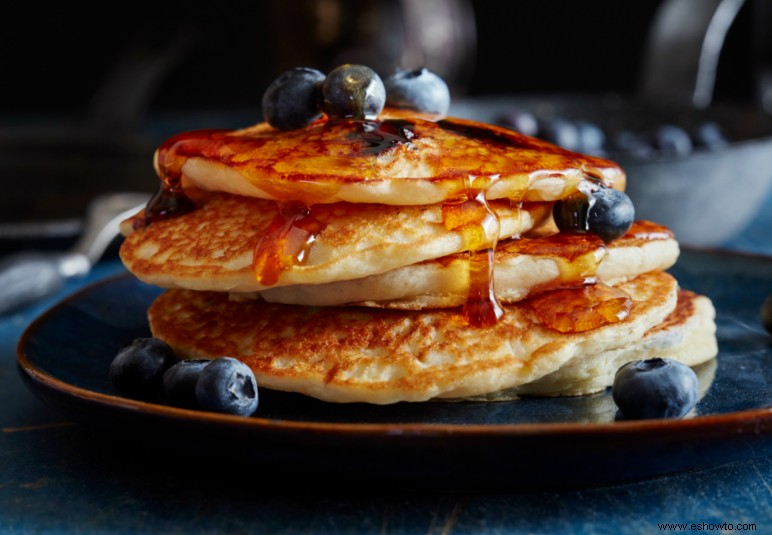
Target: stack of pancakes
[{"x": 403, "y": 259}]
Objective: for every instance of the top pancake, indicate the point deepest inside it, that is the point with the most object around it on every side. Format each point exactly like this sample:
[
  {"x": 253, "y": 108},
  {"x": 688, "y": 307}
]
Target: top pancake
[{"x": 401, "y": 159}]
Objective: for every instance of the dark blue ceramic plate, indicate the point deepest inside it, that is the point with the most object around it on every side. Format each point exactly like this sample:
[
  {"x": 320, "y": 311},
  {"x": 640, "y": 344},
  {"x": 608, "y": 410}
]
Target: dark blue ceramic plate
[{"x": 64, "y": 357}]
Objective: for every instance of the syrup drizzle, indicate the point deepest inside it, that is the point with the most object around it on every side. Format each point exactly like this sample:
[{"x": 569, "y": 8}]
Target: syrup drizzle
[
  {"x": 478, "y": 224},
  {"x": 380, "y": 136},
  {"x": 580, "y": 309},
  {"x": 171, "y": 200},
  {"x": 168, "y": 201},
  {"x": 508, "y": 140},
  {"x": 286, "y": 242},
  {"x": 577, "y": 256}
]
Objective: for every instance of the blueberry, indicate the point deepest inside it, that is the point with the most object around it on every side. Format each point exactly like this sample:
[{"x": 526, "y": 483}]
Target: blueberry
[
  {"x": 766, "y": 314},
  {"x": 292, "y": 100},
  {"x": 559, "y": 131},
  {"x": 519, "y": 121},
  {"x": 655, "y": 388},
  {"x": 611, "y": 215},
  {"x": 227, "y": 385},
  {"x": 570, "y": 213},
  {"x": 671, "y": 140},
  {"x": 138, "y": 367},
  {"x": 607, "y": 212},
  {"x": 353, "y": 92},
  {"x": 179, "y": 382},
  {"x": 419, "y": 90}
]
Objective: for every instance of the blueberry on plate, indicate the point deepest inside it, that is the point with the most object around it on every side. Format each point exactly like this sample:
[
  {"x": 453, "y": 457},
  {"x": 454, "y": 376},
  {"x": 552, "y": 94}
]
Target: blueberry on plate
[
  {"x": 420, "y": 90},
  {"x": 179, "y": 382},
  {"x": 353, "y": 92},
  {"x": 607, "y": 212},
  {"x": 137, "y": 369},
  {"x": 655, "y": 388},
  {"x": 293, "y": 99},
  {"x": 227, "y": 385}
]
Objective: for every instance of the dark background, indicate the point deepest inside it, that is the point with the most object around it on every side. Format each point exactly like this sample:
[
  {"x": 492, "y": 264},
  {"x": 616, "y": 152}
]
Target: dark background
[
  {"x": 86, "y": 95},
  {"x": 222, "y": 55}
]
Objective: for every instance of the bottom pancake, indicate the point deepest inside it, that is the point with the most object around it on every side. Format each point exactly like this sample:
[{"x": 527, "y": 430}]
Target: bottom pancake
[
  {"x": 687, "y": 335},
  {"x": 350, "y": 354}
]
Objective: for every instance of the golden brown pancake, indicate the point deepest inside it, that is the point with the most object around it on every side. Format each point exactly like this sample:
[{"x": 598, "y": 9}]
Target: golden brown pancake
[
  {"x": 392, "y": 213},
  {"x": 212, "y": 247},
  {"x": 402, "y": 159},
  {"x": 686, "y": 335},
  {"x": 346, "y": 354}
]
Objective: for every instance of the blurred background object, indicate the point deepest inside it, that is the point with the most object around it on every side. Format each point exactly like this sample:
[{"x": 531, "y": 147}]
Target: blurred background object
[
  {"x": 84, "y": 109},
  {"x": 692, "y": 132}
]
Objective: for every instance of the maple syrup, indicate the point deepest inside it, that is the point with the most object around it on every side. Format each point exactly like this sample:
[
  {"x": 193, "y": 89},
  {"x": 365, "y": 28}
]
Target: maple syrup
[
  {"x": 581, "y": 309},
  {"x": 577, "y": 256},
  {"x": 575, "y": 302},
  {"x": 286, "y": 242},
  {"x": 171, "y": 200},
  {"x": 498, "y": 138},
  {"x": 168, "y": 201},
  {"x": 380, "y": 136},
  {"x": 479, "y": 227}
]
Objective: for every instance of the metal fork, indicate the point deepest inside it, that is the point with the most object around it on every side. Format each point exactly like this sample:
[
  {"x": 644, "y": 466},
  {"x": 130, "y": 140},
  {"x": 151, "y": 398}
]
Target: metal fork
[{"x": 30, "y": 276}]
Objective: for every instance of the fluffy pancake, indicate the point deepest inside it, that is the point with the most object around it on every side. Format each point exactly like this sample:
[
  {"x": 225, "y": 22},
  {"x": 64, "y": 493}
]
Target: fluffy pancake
[
  {"x": 212, "y": 247},
  {"x": 686, "y": 335},
  {"x": 390, "y": 214},
  {"x": 345, "y": 354},
  {"x": 521, "y": 266},
  {"x": 399, "y": 160}
]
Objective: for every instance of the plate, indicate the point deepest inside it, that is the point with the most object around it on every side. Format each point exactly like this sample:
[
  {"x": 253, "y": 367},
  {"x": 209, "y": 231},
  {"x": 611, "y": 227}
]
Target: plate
[{"x": 65, "y": 354}]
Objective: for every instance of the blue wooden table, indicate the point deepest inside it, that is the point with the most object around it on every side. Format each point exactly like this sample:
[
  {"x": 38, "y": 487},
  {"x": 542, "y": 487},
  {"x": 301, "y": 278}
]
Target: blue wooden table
[{"x": 60, "y": 477}]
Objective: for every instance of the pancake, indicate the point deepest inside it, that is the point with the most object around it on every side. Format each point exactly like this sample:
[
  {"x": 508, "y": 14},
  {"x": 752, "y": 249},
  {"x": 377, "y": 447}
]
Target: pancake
[
  {"x": 347, "y": 354},
  {"x": 521, "y": 267},
  {"x": 212, "y": 247},
  {"x": 403, "y": 159},
  {"x": 687, "y": 335},
  {"x": 419, "y": 225}
]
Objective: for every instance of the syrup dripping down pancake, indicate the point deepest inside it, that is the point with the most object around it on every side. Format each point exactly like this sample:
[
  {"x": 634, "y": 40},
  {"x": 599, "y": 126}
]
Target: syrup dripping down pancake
[
  {"x": 212, "y": 247},
  {"x": 348, "y": 354}
]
